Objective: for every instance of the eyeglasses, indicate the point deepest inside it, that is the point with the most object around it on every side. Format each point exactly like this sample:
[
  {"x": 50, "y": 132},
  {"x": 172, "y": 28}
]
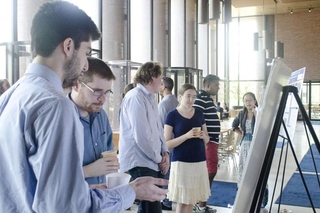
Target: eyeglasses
[
  {"x": 98, "y": 92},
  {"x": 248, "y": 101}
]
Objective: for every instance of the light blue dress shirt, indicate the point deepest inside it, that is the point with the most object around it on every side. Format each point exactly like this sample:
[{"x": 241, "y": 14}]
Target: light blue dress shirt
[
  {"x": 97, "y": 139},
  {"x": 141, "y": 133},
  {"x": 41, "y": 152}
]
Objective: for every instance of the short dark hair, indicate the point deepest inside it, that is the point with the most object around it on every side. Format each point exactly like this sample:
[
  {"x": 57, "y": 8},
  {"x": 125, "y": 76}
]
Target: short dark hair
[
  {"x": 56, "y": 21},
  {"x": 209, "y": 79},
  {"x": 97, "y": 67},
  {"x": 147, "y": 71},
  {"x": 186, "y": 87},
  {"x": 168, "y": 83}
]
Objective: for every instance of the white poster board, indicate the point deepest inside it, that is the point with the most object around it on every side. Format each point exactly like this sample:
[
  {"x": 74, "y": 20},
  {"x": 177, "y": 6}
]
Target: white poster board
[
  {"x": 279, "y": 77},
  {"x": 292, "y": 108}
]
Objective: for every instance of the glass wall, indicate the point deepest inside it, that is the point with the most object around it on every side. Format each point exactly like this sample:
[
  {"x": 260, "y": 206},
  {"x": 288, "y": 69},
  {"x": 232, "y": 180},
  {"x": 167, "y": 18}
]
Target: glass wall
[
  {"x": 92, "y": 9},
  {"x": 246, "y": 67},
  {"x": 162, "y": 30},
  {"x": 5, "y": 35},
  {"x": 177, "y": 33},
  {"x": 140, "y": 30},
  {"x": 310, "y": 98}
]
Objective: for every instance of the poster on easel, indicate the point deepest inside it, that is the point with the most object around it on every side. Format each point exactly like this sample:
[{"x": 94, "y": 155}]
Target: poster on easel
[
  {"x": 292, "y": 109},
  {"x": 278, "y": 78}
]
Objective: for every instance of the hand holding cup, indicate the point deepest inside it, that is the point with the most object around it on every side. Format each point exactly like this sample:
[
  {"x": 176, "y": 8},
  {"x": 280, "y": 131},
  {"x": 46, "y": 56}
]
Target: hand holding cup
[{"x": 196, "y": 132}]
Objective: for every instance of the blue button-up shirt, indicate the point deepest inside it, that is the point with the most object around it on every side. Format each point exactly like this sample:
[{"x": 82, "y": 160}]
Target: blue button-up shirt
[
  {"x": 41, "y": 152},
  {"x": 141, "y": 133},
  {"x": 97, "y": 139}
]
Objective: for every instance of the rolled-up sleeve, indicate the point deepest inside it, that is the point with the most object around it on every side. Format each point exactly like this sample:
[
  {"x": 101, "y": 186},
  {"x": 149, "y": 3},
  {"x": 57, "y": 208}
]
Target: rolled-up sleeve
[{"x": 57, "y": 165}]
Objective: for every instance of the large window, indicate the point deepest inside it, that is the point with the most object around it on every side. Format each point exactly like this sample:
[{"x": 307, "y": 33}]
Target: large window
[
  {"x": 141, "y": 30},
  {"x": 92, "y": 9},
  {"x": 246, "y": 70},
  {"x": 5, "y": 35}
]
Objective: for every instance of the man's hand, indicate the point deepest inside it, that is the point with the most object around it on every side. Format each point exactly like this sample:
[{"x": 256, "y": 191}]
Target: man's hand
[
  {"x": 165, "y": 163},
  {"x": 147, "y": 188},
  {"x": 98, "y": 186},
  {"x": 101, "y": 167}
]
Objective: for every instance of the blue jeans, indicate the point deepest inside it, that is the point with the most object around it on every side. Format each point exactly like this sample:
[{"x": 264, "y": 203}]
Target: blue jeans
[{"x": 146, "y": 206}]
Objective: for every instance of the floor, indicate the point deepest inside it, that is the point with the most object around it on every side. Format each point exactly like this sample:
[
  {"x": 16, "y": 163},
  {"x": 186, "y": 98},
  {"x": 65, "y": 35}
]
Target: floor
[{"x": 227, "y": 172}]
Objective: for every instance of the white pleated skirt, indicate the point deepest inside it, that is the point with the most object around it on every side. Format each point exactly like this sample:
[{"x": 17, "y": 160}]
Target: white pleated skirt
[{"x": 188, "y": 182}]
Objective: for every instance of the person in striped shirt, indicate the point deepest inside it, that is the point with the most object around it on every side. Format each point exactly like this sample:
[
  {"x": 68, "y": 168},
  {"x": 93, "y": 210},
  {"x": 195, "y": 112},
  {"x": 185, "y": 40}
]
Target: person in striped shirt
[{"x": 205, "y": 103}]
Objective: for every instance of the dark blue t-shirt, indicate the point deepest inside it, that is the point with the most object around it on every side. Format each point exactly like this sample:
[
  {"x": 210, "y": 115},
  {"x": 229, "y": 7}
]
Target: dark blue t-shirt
[{"x": 192, "y": 150}]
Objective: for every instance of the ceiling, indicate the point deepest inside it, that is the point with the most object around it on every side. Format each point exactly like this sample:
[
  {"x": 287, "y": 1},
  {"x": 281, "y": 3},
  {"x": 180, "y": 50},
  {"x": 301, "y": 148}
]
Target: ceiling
[{"x": 267, "y": 7}]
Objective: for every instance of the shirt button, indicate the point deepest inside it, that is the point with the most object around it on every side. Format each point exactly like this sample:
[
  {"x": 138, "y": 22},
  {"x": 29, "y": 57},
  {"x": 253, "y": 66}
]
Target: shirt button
[{"x": 96, "y": 144}]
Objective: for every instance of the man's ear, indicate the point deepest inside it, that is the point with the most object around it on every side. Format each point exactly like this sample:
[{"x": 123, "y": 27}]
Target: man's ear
[
  {"x": 76, "y": 86},
  {"x": 68, "y": 47}
]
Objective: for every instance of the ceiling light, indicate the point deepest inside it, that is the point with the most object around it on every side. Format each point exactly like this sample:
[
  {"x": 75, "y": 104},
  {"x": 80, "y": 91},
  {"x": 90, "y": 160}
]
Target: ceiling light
[{"x": 291, "y": 11}]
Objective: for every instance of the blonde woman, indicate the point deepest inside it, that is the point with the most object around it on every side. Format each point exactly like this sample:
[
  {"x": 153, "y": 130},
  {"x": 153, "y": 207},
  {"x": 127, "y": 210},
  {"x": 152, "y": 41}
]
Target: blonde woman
[{"x": 188, "y": 181}]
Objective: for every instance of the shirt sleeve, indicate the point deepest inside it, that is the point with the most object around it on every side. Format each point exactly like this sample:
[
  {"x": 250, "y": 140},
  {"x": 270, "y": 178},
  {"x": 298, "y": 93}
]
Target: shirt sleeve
[
  {"x": 57, "y": 166},
  {"x": 169, "y": 118}
]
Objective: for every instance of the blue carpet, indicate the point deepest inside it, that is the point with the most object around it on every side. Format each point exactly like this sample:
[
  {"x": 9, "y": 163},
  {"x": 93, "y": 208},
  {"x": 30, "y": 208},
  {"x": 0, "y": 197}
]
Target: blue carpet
[
  {"x": 222, "y": 193},
  {"x": 279, "y": 144},
  {"x": 295, "y": 194},
  {"x": 314, "y": 150},
  {"x": 315, "y": 122},
  {"x": 306, "y": 163}
]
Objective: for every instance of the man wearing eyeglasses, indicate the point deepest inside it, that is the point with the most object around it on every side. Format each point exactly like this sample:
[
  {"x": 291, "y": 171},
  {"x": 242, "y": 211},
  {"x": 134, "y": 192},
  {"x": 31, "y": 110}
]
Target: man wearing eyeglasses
[{"x": 89, "y": 95}]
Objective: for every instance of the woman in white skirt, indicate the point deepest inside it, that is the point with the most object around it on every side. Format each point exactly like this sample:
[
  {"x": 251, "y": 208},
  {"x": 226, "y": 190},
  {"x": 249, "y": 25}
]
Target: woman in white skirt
[{"x": 188, "y": 182}]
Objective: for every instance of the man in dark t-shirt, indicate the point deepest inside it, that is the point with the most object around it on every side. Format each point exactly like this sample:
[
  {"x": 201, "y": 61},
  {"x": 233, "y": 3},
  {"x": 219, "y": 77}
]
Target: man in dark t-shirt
[
  {"x": 219, "y": 110},
  {"x": 205, "y": 103}
]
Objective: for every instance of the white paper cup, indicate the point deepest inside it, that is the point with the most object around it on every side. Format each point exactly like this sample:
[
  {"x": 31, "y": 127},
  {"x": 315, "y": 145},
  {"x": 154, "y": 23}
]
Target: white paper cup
[
  {"x": 117, "y": 179},
  {"x": 109, "y": 153}
]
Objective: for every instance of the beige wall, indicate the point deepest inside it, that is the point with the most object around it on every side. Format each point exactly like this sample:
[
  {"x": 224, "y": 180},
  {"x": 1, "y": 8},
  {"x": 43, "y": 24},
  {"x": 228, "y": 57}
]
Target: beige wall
[{"x": 300, "y": 33}]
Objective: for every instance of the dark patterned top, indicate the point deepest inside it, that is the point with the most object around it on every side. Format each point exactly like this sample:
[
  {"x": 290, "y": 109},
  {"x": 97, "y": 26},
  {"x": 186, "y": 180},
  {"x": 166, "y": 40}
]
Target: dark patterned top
[{"x": 205, "y": 103}]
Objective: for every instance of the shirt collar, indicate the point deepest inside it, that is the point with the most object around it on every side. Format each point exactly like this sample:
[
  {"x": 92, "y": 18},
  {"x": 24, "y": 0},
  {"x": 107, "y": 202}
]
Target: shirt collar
[
  {"x": 167, "y": 97},
  {"x": 202, "y": 92},
  {"x": 47, "y": 73},
  {"x": 144, "y": 90}
]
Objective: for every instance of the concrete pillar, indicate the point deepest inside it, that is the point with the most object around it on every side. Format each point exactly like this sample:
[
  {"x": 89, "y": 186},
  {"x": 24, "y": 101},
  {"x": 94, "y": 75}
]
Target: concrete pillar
[
  {"x": 26, "y": 9},
  {"x": 114, "y": 35},
  {"x": 160, "y": 35}
]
